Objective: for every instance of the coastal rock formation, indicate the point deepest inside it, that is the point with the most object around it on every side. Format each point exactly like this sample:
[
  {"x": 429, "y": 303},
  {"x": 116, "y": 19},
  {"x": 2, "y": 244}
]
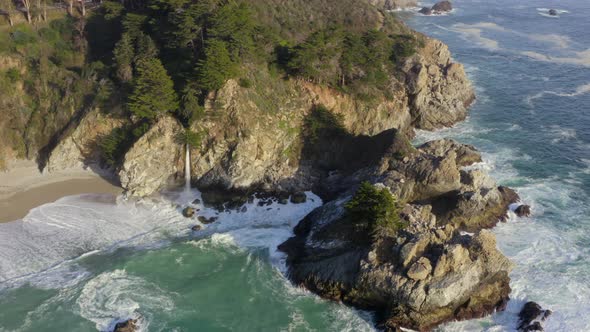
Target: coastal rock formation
[
  {"x": 264, "y": 145},
  {"x": 152, "y": 161},
  {"x": 438, "y": 89},
  {"x": 79, "y": 149},
  {"x": 129, "y": 325},
  {"x": 532, "y": 317},
  {"x": 430, "y": 272},
  {"x": 442, "y": 6},
  {"x": 438, "y": 8}
]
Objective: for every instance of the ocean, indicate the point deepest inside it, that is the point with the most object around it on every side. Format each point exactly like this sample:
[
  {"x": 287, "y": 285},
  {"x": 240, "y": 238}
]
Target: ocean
[{"x": 83, "y": 262}]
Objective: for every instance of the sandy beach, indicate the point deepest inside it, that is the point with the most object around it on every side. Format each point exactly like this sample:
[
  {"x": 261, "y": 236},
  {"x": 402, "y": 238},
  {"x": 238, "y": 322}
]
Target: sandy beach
[{"x": 23, "y": 187}]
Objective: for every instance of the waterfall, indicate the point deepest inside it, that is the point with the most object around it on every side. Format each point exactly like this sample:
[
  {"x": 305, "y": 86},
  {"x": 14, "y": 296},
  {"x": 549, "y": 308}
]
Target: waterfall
[{"x": 187, "y": 168}]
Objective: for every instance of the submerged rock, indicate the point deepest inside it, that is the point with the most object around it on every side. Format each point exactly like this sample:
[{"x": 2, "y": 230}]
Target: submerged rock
[
  {"x": 531, "y": 317},
  {"x": 523, "y": 211},
  {"x": 552, "y": 12},
  {"x": 129, "y": 325},
  {"x": 298, "y": 198},
  {"x": 196, "y": 228},
  {"x": 206, "y": 220},
  {"x": 188, "y": 212}
]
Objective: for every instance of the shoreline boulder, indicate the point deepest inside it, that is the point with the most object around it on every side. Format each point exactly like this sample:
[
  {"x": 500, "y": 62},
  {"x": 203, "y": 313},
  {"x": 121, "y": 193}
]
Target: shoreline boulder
[
  {"x": 129, "y": 325},
  {"x": 532, "y": 317}
]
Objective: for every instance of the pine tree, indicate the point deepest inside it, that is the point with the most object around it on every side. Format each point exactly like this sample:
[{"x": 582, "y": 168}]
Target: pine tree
[
  {"x": 153, "y": 92},
  {"x": 217, "y": 67}
]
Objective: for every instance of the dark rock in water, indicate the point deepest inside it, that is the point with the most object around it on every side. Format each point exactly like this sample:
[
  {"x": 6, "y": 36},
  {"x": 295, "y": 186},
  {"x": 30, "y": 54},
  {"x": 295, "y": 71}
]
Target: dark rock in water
[
  {"x": 222, "y": 200},
  {"x": 206, "y": 220},
  {"x": 244, "y": 209},
  {"x": 188, "y": 212},
  {"x": 531, "y": 317},
  {"x": 523, "y": 211},
  {"x": 129, "y": 325},
  {"x": 298, "y": 198},
  {"x": 552, "y": 12},
  {"x": 443, "y": 6},
  {"x": 425, "y": 11},
  {"x": 283, "y": 201},
  {"x": 197, "y": 201},
  {"x": 196, "y": 228},
  {"x": 265, "y": 202}
]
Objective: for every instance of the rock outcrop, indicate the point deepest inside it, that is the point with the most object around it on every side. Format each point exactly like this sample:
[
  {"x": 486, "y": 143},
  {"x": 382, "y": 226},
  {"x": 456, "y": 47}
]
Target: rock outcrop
[
  {"x": 438, "y": 89},
  {"x": 79, "y": 149},
  {"x": 438, "y": 8},
  {"x": 430, "y": 272},
  {"x": 442, "y": 6},
  {"x": 152, "y": 162},
  {"x": 532, "y": 317},
  {"x": 129, "y": 325}
]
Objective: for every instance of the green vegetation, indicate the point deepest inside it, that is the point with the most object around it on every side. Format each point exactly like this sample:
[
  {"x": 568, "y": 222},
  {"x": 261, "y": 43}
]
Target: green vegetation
[
  {"x": 153, "y": 92},
  {"x": 360, "y": 63},
  {"x": 374, "y": 210},
  {"x": 189, "y": 137},
  {"x": 322, "y": 122}
]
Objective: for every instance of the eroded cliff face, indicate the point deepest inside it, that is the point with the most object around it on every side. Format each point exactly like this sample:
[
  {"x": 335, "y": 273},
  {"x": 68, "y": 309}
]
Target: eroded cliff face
[
  {"x": 80, "y": 148},
  {"x": 252, "y": 137},
  {"x": 438, "y": 89},
  {"x": 151, "y": 162},
  {"x": 430, "y": 272}
]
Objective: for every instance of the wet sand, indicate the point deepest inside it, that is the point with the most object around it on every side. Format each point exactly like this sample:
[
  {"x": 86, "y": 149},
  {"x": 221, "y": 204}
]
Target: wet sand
[{"x": 24, "y": 187}]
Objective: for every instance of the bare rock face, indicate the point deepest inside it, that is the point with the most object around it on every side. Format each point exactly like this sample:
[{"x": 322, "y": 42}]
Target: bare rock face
[
  {"x": 254, "y": 138},
  {"x": 151, "y": 163},
  {"x": 79, "y": 149},
  {"x": 438, "y": 88}
]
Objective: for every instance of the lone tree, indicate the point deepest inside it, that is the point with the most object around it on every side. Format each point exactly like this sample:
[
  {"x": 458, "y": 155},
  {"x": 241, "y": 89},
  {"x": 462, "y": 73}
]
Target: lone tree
[
  {"x": 153, "y": 91},
  {"x": 374, "y": 211}
]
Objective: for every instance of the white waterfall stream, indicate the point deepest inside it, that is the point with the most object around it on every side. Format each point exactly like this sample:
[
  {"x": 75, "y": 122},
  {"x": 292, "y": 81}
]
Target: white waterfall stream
[{"x": 187, "y": 168}]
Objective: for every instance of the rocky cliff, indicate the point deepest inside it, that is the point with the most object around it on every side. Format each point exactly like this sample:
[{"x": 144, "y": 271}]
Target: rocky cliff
[
  {"x": 428, "y": 273},
  {"x": 253, "y": 136},
  {"x": 264, "y": 145}
]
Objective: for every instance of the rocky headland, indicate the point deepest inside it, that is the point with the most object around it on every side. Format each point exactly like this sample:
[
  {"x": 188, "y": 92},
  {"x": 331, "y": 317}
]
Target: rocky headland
[{"x": 285, "y": 134}]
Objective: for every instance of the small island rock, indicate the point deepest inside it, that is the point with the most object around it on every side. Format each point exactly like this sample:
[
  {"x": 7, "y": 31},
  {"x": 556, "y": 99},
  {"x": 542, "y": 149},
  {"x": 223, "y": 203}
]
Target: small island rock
[
  {"x": 129, "y": 325},
  {"x": 523, "y": 211},
  {"x": 188, "y": 212},
  {"x": 531, "y": 316},
  {"x": 552, "y": 12},
  {"x": 442, "y": 7}
]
